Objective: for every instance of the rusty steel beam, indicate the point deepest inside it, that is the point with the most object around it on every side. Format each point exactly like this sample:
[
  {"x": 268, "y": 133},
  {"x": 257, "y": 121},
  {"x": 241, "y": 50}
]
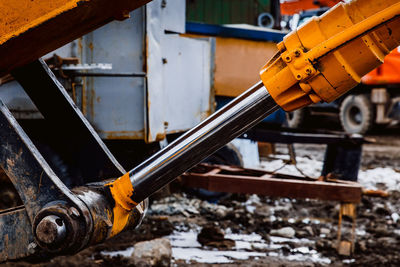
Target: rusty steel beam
[
  {"x": 30, "y": 29},
  {"x": 238, "y": 180}
]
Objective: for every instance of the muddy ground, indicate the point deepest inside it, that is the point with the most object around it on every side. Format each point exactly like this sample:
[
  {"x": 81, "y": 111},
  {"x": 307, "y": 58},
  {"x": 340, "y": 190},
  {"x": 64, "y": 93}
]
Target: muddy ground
[{"x": 242, "y": 216}]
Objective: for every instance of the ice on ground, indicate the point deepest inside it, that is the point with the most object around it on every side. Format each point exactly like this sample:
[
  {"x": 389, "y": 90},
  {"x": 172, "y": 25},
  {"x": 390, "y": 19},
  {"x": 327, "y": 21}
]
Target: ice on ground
[
  {"x": 310, "y": 167},
  {"x": 212, "y": 256},
  {"x": 387, "y": 177},
  {"x": 253, "y": 237},
  {"x": 184, "y": 239},
  {"x": 306, "y": 258},
  {"x": 370, "y": 179},
  {"x": 185, "y": 247}
]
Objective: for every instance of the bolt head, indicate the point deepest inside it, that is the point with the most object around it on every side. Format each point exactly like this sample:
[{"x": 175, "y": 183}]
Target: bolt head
[
  {"x": 51, "y": 229},
  {"x": 297, "y": 53}
]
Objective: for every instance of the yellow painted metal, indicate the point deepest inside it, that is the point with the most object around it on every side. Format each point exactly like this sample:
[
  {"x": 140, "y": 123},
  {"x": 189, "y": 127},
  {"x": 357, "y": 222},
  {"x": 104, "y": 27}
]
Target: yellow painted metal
[
  {"x": 328, "y": 55},
  {"x": 121, "y": 191},
  {"x": 31, "y": 28}
]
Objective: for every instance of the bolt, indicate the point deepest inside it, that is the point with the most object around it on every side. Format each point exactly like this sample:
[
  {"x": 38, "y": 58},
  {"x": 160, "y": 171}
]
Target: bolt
[
  {"x": 297, "y": 53},
  {"x": 288, "y": 59},
  {"x": 299, "y": 77},
  {"x": 309, "y": 71},
  {"x": 51, "y": 229}
]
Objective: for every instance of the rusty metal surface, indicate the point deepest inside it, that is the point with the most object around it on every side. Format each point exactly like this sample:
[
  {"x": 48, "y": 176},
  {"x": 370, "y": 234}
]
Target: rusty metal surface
[
  {"x": 16, "y": 239},
  {"x": 36, "y": 183},
  {"x": 30, "y": 29},
  {"x": 238, "y": 180}
]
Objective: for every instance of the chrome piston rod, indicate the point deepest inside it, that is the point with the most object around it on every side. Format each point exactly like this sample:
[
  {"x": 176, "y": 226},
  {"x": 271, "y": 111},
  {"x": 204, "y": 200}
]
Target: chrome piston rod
[{"x": 204, "y": 139}]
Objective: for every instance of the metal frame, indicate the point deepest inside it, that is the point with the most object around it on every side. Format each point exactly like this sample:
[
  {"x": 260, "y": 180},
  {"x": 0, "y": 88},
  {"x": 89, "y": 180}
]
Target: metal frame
[{"x": 231, "y": 179}]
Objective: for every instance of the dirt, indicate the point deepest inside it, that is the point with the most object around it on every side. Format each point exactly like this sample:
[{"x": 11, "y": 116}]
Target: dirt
[{"x": 377, "y": 226}]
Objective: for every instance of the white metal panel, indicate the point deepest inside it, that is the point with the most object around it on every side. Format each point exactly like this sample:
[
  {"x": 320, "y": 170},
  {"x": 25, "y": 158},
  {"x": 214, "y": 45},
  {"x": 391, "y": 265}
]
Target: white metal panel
[
  {"x": 173, "y": 15},
  {"x": 154, "y": 89},
  {"x": 187, "y": 81},
  {"x": 178, "y": 72}
]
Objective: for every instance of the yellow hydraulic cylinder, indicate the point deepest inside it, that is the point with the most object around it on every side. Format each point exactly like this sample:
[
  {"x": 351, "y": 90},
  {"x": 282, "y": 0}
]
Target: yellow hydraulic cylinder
[{"x": 328, "y": 55}]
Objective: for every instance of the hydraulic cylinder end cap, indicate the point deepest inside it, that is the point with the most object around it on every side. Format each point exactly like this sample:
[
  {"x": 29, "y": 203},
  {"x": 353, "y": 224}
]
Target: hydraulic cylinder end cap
[{"x": 328, "y": 55}]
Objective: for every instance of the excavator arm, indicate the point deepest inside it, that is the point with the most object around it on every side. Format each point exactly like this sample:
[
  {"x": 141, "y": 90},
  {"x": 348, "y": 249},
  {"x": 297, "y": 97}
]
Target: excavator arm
[{"x": 320, "y": 61}]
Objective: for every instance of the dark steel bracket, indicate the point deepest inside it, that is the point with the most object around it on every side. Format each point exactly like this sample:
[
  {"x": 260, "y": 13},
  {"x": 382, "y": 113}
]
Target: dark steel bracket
[
  {"x": 54, "y": 219},
  {"x": 89, "y": 154},
  {"x": 38, "y": 187}
]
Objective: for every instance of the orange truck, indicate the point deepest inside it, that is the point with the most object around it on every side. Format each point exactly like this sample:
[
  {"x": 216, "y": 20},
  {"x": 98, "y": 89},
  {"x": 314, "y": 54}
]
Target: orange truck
[{"x": 375, "y": 102}]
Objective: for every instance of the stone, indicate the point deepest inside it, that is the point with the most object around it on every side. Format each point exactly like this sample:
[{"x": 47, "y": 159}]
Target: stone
[
  {"x": 362, "y": 245},
  {"x": 213, "y": 236},
  {"x": 324, "y": 231},
  {"x": 156, "y": 252},
  {"x": 287, "y": 232},
  {"x": 309, "y": 230},
  {"x": 387, "y": 241}
]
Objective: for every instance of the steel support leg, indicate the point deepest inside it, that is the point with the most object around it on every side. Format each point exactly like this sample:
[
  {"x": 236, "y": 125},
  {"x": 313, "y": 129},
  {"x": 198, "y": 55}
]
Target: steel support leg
[{"x": 83, "y": 147}]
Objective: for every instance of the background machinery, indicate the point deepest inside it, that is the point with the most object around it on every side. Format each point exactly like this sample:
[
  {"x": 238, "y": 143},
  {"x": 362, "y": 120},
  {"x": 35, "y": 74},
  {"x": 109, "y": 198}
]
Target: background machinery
[{"x": 314, "y": 63}]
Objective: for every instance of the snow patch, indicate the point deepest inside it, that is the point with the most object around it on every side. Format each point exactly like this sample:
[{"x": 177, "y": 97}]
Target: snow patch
[{"x": 385, "y": 177}]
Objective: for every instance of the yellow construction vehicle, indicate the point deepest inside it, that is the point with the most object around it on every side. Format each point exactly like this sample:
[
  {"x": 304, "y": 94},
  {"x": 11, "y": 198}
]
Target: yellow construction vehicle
[{"x": 319, "y": 61}]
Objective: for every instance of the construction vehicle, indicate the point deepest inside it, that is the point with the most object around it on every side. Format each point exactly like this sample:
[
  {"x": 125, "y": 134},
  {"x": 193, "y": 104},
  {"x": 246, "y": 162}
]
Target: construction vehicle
[
  {"x": 375, "y": 102},
  {"x": 317, "y": 62}
]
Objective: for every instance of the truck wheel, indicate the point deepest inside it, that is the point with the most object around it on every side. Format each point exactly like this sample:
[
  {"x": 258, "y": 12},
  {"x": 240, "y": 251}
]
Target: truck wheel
[
  {"x": 356, "y": 114},
  {"x": 297, "y": 118}
]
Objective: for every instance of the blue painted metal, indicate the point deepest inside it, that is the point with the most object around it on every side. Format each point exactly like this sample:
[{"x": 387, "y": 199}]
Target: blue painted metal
[{"x": 235, "y": 32}]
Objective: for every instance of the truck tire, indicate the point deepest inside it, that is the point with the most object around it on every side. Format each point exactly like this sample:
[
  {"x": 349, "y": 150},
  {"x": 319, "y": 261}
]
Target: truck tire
[
  {"x": 356, "y": 114},
  {"x": 297, "y": 118}
]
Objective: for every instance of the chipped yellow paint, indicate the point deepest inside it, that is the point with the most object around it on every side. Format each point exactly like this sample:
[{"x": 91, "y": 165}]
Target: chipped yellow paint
[
  {"x": 121, "y": 190},
  {"x": 19, "y": 16}
]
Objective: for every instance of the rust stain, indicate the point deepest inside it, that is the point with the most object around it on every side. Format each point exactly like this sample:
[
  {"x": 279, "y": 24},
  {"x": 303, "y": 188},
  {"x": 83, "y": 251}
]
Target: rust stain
[
  {"x": 91, "y": 46},
  {"x": 123, "y": 135},
  {"x": 160, "y": 136},
  {"x": 10, "y": 163},
  {"x": 40, "y": 182},
  {"x": 92, "y": 96}
]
